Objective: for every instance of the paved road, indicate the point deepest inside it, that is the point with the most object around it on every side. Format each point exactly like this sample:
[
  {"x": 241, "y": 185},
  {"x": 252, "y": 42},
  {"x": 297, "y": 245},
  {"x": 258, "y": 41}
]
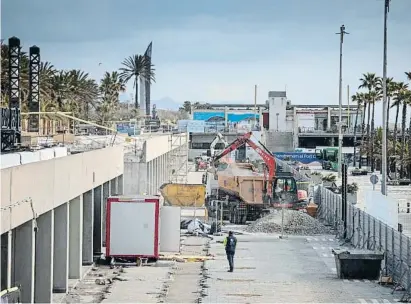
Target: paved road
[{"x": 297, "y": 269}]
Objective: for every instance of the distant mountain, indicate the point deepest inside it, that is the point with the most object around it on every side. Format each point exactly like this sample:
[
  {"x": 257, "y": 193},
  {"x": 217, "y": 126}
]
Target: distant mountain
[{"x": 166, "y": 103}]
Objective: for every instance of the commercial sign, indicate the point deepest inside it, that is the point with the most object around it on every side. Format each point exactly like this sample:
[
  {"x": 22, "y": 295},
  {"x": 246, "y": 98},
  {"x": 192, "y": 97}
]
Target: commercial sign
[
  {"x": 123, "y": 127},
  {"x": 231, "y": 117},
  {"x": 310, "y": 159}
]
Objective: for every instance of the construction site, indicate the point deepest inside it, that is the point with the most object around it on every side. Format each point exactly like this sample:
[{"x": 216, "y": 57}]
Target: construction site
[
  {"x": 67, "y": 240},
  {"x": 102, "y": 216}
]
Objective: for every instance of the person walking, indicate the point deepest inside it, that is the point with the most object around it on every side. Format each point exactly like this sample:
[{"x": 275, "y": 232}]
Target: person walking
[{"x": 230, "y": 243}]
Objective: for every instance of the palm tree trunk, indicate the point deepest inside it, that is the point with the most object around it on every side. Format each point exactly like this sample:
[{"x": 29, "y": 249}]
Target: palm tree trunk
[
  {"x": 368, "y": 134},
  {"x": 404, "y": 121},
  {"x": 355, "y": 132},
  {"x": 388, "y": 131},
  {"x": 394, "y": 142},
  {"x": 136, "y": 105},
  {"x": 371, "y": 149},
  {"x": 388, "y": 116},
  {"x": 362, "y": 133}
]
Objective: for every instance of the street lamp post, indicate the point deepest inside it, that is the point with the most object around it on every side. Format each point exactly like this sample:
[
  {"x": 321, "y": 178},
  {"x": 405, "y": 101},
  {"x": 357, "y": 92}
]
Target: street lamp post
[
  {"x": 384, "y": 103},
  {"x": 340, "y": 135}
]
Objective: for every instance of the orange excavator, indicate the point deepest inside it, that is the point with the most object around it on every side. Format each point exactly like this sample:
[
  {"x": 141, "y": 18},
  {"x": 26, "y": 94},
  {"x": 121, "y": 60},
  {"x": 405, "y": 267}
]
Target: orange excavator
[{"x": 278, "y": 188}]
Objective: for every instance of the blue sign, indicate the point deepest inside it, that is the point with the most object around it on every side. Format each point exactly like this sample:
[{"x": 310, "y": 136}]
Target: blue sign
[
  {"x": 303, "y": 158},
  {"x": 374, "y": 179},
  {"x": 219, "y": 116}
]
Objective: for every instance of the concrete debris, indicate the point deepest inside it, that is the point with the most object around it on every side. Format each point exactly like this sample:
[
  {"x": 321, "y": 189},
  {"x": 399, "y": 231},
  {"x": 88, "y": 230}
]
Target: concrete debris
[{"x": 295, "y": 223}]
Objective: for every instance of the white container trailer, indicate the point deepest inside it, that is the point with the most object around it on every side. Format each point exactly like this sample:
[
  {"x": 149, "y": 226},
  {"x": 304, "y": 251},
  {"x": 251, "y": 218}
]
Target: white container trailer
[{"x": 132, "y": 226}]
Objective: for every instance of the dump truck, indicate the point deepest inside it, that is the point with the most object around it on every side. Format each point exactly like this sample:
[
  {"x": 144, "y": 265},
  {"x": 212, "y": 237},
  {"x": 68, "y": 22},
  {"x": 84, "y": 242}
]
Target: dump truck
[{"x": 250, "y": 193}]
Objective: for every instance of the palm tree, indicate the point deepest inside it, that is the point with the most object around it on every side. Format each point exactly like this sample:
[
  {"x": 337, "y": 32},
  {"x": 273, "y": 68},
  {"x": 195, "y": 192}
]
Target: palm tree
[
  {"x": 370, "y": 82},
  {"x": 404, "y": 98},
  {"x": 390, "y": 89},
  {"x": 398, "y": 97},
  {"x": 110, "y": 88},
  {"x": 136, "y": 66},
  {"x": 360, "y": 100}
]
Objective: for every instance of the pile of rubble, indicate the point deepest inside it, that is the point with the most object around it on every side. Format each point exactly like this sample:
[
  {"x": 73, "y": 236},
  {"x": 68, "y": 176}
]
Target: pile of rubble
[{"x": 295, "y": 222}]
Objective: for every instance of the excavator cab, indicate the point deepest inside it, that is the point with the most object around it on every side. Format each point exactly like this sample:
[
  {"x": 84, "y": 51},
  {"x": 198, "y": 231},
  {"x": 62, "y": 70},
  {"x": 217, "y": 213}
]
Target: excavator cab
[{"x": 288, "y": 185}]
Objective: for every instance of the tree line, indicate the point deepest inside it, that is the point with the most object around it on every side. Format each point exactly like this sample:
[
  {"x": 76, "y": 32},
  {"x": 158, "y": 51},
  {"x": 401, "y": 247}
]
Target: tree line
[
  {"x": 399, "y": 101},
  {"x": 75, "y": 91}
]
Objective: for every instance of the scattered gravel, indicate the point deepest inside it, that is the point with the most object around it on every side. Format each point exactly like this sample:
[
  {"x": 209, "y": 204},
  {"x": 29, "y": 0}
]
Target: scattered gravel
[{"x": 295, "y": 222}]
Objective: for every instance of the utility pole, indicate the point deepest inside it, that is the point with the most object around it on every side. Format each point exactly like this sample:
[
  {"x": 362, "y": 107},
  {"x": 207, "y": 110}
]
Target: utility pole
[
  {"x": 340, "y": 135},
  {"x": 255, "y": 106},
  {"x": 384, "y": 103}
]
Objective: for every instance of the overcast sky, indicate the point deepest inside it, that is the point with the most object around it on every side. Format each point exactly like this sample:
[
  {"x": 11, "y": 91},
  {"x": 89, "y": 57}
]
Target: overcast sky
[{"x": 217, "y": 50}]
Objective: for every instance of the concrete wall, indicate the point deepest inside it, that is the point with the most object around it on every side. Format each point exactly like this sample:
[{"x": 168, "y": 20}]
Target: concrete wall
[
  {"x": 279, "y": 141},
  {"x": 147, "y": 173},
  {"x": 53, "y": 182}
]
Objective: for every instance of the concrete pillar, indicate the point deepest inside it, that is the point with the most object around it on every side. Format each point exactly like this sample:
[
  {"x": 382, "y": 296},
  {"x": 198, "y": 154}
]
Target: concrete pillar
[
  {"x": 113, "y": 186},
  {"x": 156, "y": 176},
  {"x": 43, "y": 291},
  {"x": 150, "y": 176},
  {"x": 61, "y": 249},
  {"x": 328, "y": 118},
  {"x": 163, "y": 171},
  {"x": 106, "y": 194},
  {"x": 168, "y": 166},
  {"x": 98, "y": 220},
  {"x": 120, "y": 184},
  {"x": 153, "y": 176},
  {"x": 4, "y": 260},
  {"x": 24, "y": 260},
  {"x": 75, "y": 237},
  {"x": 88, "y": 225}
]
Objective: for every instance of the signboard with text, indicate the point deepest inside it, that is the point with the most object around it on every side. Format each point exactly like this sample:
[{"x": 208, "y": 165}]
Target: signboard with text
[{"x": 310, "y": 159}]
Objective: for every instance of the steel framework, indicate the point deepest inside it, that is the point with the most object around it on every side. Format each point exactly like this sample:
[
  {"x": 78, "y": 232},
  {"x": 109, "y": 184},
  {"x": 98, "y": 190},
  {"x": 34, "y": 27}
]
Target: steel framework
[
  {"x": 178, "y": 161},
  {"x": 11, "y": 122},
  {"x": 34, "y": 90}
]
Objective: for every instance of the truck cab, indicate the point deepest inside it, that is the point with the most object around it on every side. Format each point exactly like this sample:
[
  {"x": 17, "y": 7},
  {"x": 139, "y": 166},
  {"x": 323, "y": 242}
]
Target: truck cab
[{"x": 329, "y": 157}]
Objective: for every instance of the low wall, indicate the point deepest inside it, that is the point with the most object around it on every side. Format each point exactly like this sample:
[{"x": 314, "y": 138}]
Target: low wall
[{"x": 53, "y": 182}]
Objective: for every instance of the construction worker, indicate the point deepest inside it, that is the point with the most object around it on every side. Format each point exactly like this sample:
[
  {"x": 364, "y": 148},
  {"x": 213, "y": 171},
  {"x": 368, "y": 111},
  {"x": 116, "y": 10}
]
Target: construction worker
[{"x": 230, "y": 243}]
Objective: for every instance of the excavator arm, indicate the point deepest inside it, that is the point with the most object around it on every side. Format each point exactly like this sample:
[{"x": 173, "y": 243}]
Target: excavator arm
[
  {"x": 218, "y": 138},
  {"x": 268, "y": 159}
]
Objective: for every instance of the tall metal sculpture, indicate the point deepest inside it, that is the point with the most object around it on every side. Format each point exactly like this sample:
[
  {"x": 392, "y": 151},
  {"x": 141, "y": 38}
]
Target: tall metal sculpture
[
  {"x": 11, "y": 123},
  {"x": 34, "y": 89},
  {"x": 147, "y": 84}
]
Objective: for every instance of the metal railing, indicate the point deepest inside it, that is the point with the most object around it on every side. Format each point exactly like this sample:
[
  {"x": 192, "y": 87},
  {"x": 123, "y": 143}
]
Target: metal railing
[{"x": 364, "y": 231}]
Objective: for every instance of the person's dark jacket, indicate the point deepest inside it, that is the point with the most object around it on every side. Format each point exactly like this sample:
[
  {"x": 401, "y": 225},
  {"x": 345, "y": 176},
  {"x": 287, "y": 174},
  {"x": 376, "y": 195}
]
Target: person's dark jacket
[{"x": 230, "y": 243}]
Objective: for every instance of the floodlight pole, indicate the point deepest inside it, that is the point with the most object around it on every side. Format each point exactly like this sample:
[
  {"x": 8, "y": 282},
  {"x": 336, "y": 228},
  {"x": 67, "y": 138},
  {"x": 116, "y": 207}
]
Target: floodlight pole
[{"x": 384, "y": 104}]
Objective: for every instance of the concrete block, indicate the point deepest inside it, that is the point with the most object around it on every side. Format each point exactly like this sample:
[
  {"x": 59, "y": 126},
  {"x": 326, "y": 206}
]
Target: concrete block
[
  {"x": 358, "y": 264},
  {"x": 61, "y": 249},
  {"x": 24, "y": 260},
  {"x": 44, "y": 258},
  {"x": 88, "y": 223},
  {"x": 76, "y": 237}
]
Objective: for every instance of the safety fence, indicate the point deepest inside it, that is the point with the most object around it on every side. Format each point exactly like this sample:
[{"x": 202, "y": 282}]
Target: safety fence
[{"x": 364, "y": 231}]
